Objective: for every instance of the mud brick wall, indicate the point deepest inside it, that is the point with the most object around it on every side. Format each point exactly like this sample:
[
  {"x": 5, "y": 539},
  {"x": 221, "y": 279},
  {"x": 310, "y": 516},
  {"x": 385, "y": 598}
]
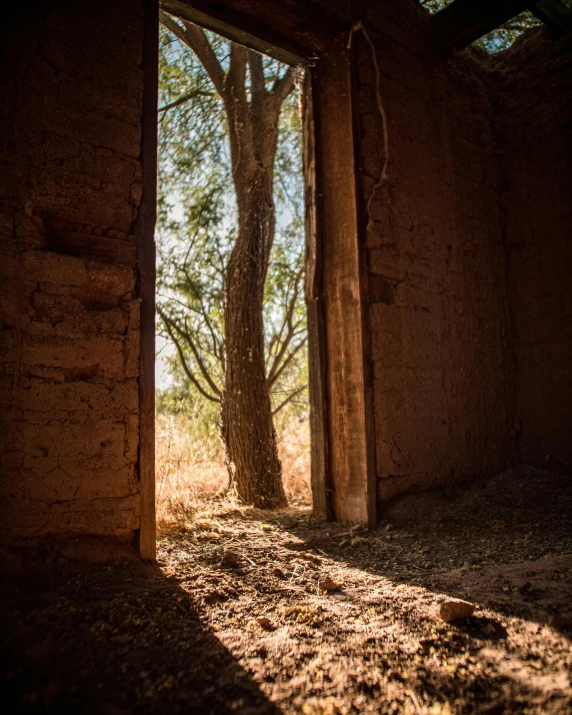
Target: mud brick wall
[
  {"x": 533, "y": 133},
  {"x": 71, "y": 141},
  {"x": 439, "y": 320}
]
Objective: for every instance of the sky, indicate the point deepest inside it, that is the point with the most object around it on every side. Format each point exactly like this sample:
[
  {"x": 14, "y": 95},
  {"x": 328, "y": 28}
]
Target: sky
[{"x": 163, "y": 349}]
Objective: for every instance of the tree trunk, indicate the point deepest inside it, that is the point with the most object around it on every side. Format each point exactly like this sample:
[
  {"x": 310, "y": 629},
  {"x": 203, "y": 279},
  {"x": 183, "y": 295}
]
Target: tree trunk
[{"x": 248, "y": 430}]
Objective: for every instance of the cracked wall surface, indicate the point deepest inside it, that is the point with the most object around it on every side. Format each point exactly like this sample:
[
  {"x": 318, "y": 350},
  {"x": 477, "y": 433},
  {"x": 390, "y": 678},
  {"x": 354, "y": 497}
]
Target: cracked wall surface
[{"x": 71, "y": 128}]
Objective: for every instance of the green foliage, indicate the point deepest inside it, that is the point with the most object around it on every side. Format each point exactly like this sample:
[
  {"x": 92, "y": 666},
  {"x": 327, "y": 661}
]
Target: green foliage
[{"x": 197, "y": 223}]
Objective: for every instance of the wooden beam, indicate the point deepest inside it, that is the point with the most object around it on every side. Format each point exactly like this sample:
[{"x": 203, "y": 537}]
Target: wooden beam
[
  {"x": 89, "y": 245},
  {"x": 215, "y": 17},
  {"x": 351, "y": 448},
  {"x": 464, "y": 21},
  {"x": 317, "y": 366},
  {"x": 554, "y": 14},
  {"x": 145, "y": 231}
]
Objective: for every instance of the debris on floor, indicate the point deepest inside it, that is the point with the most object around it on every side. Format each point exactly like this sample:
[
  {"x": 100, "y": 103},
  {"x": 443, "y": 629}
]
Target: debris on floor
[{"x": 259, "y": 632}]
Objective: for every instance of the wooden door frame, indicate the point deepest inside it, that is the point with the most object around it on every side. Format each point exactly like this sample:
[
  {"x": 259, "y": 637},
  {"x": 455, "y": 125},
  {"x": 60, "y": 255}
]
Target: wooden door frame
[
  {"x": 145, "y": 231},
  {"x": 343, "y": 457}
]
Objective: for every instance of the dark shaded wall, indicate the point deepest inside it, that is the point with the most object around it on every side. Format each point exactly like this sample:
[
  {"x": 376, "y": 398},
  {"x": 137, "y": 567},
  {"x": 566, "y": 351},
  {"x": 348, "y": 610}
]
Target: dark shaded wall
[
  {"x": 533, "y": 132},
  {"x": 440, "y": 324},
  {"x": 71, "y": 111}
]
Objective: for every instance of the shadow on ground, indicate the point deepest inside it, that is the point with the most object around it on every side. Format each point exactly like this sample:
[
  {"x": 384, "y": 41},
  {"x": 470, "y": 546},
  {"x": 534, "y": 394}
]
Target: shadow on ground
[
  {"x": 115, "y": 640},
  {"x": 233, "y": 618},
  {"x": 505, "y": 543}
]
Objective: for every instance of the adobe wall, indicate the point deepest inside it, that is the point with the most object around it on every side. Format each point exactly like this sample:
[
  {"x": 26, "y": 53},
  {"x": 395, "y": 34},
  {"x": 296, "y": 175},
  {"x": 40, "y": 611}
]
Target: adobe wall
[
  {"x": 534, "y": 114},
  {"x": 439, "y": 321},
  {"x": 465, "y": 248},
  {"x": 71, "y": 142}
]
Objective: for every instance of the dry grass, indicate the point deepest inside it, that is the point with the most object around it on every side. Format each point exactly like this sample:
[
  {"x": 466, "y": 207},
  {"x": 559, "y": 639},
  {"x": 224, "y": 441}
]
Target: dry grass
[{"x": 192, "y": 477}]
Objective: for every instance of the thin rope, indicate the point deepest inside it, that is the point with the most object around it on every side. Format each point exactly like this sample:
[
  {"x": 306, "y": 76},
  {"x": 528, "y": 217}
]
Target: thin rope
[{"x": 357, "y": 27}]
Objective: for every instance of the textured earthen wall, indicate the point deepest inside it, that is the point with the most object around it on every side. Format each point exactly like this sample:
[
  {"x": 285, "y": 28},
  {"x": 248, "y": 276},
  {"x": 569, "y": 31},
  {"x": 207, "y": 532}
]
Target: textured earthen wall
[
  {"x": 440, "y": 326},
  {"x": 465, "y": 247},
  {"x": 534, "y": 116},
  {"x": 71, "y": 136}
]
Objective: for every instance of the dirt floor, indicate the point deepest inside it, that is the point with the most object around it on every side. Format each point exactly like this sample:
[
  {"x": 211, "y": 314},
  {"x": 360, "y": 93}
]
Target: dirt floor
[{"x": 233, "y": 618}]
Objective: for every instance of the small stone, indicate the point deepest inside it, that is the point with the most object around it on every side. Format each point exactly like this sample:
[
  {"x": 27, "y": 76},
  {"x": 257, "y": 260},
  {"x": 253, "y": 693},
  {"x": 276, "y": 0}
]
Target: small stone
[
  {"x": 264, "y": 623},
  {"x": 230, "y": 558},
  {"x": 454, "y": 609},
  {"x": 328, "y": 585}
]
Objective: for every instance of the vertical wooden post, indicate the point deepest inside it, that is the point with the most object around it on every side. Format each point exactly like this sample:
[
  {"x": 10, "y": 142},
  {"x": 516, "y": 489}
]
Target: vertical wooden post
[
  {"x": 145, "y": 231},
  {"x": 320, "y": 472},
  {"x": 352, "y": 464}
]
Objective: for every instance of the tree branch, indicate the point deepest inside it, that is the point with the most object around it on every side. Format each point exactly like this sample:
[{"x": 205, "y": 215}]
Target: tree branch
[
  {"x": 185, "y": 334},
  {"x": 286, "y": 362},
  {"x": 186, "y": 368},
  {"x": 257, "y": 82},
  {"x": 281, "y": 89},
  {"x": 291, "y": 329},
  {"x": 185, "y": 98},
  {"x": 194, "y": 37},
  {"x": 290, "y": 397},
  {"x": 203, "y": 311},
  {"x": 239, "y": 124}
]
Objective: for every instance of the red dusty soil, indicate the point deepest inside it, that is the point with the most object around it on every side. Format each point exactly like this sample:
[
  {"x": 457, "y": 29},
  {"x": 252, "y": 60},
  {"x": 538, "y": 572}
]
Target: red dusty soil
[{"x": 184, "y": 636}]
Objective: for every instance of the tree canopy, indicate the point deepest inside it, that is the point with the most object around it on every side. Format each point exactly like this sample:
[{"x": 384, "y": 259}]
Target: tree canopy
[{"x": 197, "y": 225}]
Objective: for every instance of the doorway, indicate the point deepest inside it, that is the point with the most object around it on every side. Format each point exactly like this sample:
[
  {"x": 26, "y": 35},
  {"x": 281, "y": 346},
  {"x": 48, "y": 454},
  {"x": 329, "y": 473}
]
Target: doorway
[
  {"x": 232, "y": 331},
  {"x": 342, "y": 446}
]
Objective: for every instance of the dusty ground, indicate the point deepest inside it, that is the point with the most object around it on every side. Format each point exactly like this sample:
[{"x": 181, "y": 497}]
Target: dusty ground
[{"x": 184, "y": 636}]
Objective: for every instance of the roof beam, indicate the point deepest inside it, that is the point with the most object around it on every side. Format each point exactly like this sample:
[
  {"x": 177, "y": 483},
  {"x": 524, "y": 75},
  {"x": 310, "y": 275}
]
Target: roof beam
[
  {"x": 554, "y": 14},
  {"x": 464, "y": 21}
]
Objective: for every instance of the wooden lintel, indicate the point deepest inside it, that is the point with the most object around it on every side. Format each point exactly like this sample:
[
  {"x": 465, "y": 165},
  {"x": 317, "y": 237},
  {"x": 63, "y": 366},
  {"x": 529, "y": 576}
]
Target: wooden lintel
[
  {"x": 216, "y": 19},
  {"x": 464, "y": 21},
  {"x": 554, "y": 14}
]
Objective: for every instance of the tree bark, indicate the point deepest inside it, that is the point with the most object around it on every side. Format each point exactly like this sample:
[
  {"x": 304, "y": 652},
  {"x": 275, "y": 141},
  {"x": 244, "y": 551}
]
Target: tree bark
[
  {"x": 248, "y": 430},
  {"x": 246, "y": 412}
]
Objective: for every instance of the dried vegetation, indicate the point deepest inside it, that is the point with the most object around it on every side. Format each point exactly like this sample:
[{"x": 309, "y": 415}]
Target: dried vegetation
[{"x": 192, "y": 476}]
